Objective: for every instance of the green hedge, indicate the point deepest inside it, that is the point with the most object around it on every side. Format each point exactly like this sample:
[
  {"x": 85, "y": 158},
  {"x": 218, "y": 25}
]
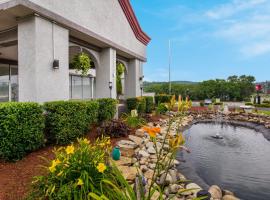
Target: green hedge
[
  {"x": 162, "y": 99},
  {"x": 68, "y": 120},
  {"x": 149, "y": 104},
  {"x": 107, "y": 109},
  {"x": 263, "y": 105},
  {"x": 138, "y": 103},
  {"x": 21, "y": 129}
]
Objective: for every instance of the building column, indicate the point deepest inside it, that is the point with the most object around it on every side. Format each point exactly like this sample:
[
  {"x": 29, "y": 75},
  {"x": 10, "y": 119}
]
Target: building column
[
  {"x": 106, "y": 73},
  {"x": 132, "y": 81},
  {"x": 40, "y": 42}
]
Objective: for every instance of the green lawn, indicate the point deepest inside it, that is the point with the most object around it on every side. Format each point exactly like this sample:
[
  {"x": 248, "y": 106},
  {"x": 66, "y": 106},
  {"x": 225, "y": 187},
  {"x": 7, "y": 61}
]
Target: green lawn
[{"x": 266, "y": 112}]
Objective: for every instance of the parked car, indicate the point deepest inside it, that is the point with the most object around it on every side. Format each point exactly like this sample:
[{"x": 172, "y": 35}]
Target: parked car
[{"x": 207, "y": 101}]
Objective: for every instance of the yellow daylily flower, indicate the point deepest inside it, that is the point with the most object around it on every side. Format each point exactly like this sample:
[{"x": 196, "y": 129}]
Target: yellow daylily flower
[
  {"x": 70, "y": 149},
  {"x": 52, "y": 168},
  {"x": 86, "y": 141},
  {"x": 79, "y": 182},
  {"x": 101, "y": 167}
]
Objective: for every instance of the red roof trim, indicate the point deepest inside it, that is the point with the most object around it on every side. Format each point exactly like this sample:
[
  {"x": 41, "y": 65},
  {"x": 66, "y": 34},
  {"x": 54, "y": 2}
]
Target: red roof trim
[{"x": 133, "y": 21}]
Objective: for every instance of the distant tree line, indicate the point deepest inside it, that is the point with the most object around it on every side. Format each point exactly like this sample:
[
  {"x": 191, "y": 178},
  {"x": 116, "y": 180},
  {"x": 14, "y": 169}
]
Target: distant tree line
[{"x": 234, "y": 88}]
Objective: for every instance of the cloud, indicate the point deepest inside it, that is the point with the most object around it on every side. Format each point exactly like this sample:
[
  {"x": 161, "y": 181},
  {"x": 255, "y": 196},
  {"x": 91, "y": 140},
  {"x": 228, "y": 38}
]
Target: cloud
[
  {"x": 256, "y": 49},
  {"x": 232, "y": 8}
]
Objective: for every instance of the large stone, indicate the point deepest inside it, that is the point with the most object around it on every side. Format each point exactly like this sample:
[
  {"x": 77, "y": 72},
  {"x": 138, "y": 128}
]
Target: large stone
[
  {"x": 149, "y": 174},
  {"x": 151, "y": 150},
  {"x": 174, "y": 175},
  {"x": 173, "y": 189},
  {"x": 194, "y": 188},
  {"x": 144, "y": 154},
  {"x": 215, "y": 192},
  {"x": 127, "y": 151},
  {"x": 166, "y": 179},
  {"x": 229, "y": 197},
  {"x": 129, "y": 173},
  {"x": 149, "y": 144},
  {"x": 140, "y": 133},
  {"x": 124, "y": 161},
  {"x": 155, "y": 196},
  {"x": 127, "y": 143},
  {"x": 136, "y": 139}
]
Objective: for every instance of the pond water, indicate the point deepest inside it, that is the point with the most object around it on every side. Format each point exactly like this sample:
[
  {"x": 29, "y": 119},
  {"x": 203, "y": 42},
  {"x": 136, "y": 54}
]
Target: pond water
[{"x": 239, "y": 162}]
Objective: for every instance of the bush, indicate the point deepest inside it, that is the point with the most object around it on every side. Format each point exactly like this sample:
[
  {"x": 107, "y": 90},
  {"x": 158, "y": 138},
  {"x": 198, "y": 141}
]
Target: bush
[
  {"x": 201, "y": 103},
  {"x": 162, "y": 99},
  {"x": 68, "y": 120},
  {"x": 114, "y": 128},
  {"x": 249, "y": 104},
  {"x": 266, "y": 101},
  {"x": 21, "y": 129},
  {"x": 264, "y": 105},
  {"x": 149, "y": 104},
  {"x": 218, "y": 103},
  {"x": 75, "y": 172},
  {"x": 161, "y": 108},
  {"x": 138, "y": 103},
  {"x": 107, "y": 109}
]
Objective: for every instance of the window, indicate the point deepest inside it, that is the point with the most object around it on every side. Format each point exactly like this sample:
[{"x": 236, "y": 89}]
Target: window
[
  {"x": 8, "y": 83},
  {"x": 81, "y": 87}
]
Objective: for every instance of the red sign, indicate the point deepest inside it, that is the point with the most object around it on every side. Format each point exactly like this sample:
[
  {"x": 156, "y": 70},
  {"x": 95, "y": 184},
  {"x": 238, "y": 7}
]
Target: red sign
[{"x": 258, "y": 87}]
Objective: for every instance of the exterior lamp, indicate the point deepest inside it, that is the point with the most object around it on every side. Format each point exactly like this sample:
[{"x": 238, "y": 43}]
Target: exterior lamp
[
  {"x": 56, "y": 64},
  {"x": 141, "y": 87},
  {"x": 141, "y": 78},
  {"x": 110, "y": 86}
]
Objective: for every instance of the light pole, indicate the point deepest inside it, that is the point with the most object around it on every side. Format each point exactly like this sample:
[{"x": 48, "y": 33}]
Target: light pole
[{"x": 170, "y": 59}]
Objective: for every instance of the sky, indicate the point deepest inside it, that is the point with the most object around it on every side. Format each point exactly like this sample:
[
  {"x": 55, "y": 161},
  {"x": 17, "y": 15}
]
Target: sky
[{"x": 210, "y": 38}]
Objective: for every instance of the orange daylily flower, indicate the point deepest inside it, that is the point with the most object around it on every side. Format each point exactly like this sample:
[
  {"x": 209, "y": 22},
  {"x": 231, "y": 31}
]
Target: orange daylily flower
[{"x": 152, "y": 131}]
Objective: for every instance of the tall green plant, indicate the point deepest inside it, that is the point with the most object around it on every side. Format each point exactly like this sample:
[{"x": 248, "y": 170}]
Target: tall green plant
[
  {"x": 120, "y": 69},
  {"x": 82, "y": 63}
]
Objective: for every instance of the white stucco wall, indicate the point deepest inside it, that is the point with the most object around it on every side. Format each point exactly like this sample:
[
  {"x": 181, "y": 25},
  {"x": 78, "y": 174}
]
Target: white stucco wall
[
  {"x": 38, "y": 81},
  {"x": 103, "y": 17}
]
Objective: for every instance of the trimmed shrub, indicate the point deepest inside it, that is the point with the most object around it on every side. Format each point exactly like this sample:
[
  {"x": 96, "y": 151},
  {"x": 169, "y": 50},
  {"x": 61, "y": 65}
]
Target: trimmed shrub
[
  {"x": 107, "y": 109},
  {"x": 67, "y": 120},
  {"x": 138, "y": 103},
  {"x": 162, "y": 98},
  {"x": 21, "y": 129},
  {"x": 202, "y": 103},
  {"x": 249, "y": 104},
  {"x": 149, "y": 104},
  {"x": 263, "y": 105}
]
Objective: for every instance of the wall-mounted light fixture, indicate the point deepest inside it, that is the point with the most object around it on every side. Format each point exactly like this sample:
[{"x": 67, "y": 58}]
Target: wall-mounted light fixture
[
  {"x": 141, "y": 78},
  {"x": 110, "y": 86},
  {"x": 141, "y": 87},
  {"x": 56, "y": 64}
]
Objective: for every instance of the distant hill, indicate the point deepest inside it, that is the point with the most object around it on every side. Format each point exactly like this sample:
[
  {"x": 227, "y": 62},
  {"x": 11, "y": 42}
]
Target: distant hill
[{"x": 174, "y": 82}]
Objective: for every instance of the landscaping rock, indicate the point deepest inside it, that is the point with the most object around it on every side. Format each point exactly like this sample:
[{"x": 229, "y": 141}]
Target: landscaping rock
[
  {"x": 149, "y": 174},
  {"x": 127, "y": 143},
  {"x": 144, "y": 154},
  {"x": 166, "y": 180},
  {"x": 215, "y": 192},
  {"x": 195, "y": 188},
  {"x": 173, "y": 189},
  {"x": 229, "y": 197},
  {"x": 151, "y": 150},
  {"x": 139, "y": 132},
  {"x": 124, "y": 161},
  {"x": 136, "y": 140},
  {"x": 129, "y": 173}
]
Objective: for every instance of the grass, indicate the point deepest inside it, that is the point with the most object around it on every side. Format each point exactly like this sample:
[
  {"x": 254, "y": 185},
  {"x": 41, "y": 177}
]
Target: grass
[{"x": 266, "y": 112}]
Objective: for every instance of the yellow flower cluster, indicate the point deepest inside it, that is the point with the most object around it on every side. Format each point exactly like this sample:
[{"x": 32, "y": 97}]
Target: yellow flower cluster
[
  {"x": 101, "y": 167},
  {"x": 56, "y": 162}
]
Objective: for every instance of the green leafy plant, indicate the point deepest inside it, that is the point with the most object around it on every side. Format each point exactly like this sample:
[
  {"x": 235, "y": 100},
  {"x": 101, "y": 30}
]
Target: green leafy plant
[
  {"x": 162, "y": 98},
  {"x": 120, "y": 69},
  {"x": 137, "y": 103},
  {"x": 68, "y": 120},
  {"x": 82, "y": 63},
  {"x": 134, "y": 121},
  {"x": 107, "y": 109},
  {"x": 162, "y": 108},
  {"x": 76, "y": 171},
  {"x": 21, "y": 129},
  {"x": 149, "y": 104}
]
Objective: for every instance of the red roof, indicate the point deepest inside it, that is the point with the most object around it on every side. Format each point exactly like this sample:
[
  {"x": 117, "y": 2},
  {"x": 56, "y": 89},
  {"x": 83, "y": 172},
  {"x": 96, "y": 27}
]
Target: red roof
[{"x": 133, "y": 21}]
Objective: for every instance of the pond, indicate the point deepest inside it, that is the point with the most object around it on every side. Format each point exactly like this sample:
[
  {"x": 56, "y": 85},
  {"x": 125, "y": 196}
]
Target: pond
[{"x": 240, "y": 162}]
